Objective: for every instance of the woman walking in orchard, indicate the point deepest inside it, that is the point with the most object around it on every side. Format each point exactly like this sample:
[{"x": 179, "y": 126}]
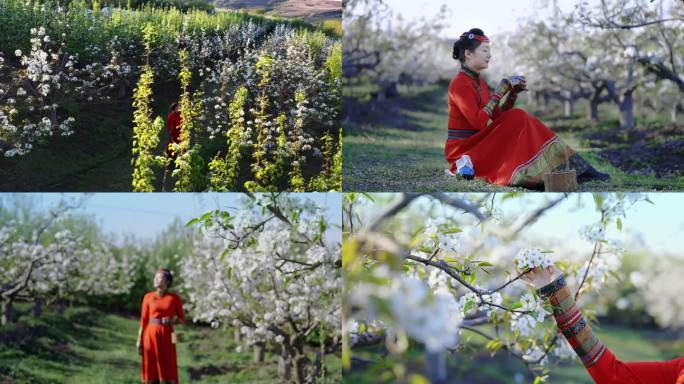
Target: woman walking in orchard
[
  {"x": 599, "y": 361},
  {"x": 505, "y": 145},
  {"x": 161, "y": 309},
  {"x": 173, "y": 125}
]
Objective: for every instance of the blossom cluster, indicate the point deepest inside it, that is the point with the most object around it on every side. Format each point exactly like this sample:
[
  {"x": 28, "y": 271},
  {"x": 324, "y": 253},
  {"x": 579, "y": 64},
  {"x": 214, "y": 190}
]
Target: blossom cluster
[
  {"x": 267, "y": 278},
  {"x": 533, "y": 258}
]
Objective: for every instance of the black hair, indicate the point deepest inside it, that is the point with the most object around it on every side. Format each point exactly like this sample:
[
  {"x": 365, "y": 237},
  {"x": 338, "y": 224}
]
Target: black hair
[
  {"x": 174, "y": 105},
  {"x": 167, "y": 275},
  {"x": 465, "y": 42}
]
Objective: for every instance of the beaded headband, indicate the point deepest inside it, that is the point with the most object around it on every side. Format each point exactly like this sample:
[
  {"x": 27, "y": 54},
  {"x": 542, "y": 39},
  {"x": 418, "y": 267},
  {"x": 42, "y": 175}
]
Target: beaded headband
[{"x": 482, "y": 39}]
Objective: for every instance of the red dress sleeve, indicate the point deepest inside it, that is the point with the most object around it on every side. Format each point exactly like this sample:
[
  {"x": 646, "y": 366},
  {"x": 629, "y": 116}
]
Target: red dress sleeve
[
  {"x": 144, "y": 313},
  {"x": 179, "y": 309},
  {"x": 609, "y": 370},
  {"x": 599, "y": 361},
  {"x": 464, "y": 96}
]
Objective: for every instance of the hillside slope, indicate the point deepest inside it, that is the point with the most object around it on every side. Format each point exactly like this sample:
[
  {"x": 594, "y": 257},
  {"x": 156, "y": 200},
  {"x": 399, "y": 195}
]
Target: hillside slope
[{"x": 310, "y": 10}]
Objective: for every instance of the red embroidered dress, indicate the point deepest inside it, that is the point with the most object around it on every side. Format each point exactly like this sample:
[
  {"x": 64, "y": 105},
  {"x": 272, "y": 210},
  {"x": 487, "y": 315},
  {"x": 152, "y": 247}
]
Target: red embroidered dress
[
  {"x": 600, "y": 362},
  {"x": 159, "y": 352},
  {"x": 515, "y": 149}
]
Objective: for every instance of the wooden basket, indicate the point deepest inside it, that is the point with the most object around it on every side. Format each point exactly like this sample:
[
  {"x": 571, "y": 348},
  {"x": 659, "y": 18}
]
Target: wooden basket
[{"x": 561, "y": 181}]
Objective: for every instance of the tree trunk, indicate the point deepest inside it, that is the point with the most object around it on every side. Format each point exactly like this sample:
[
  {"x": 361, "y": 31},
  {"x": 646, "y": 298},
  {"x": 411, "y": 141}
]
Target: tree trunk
[
  {"x": 259, "y": 353},
  {"x": 568, "y": 107},
  {"x": 284, "y": 366},
  {"x": 38, "y": 307},
  {"x": 8, "y": 313},
  {"x": 61, "y": 306},
  {"x": 388, "y": 90},
  {"x": 673, "y": 113},
  {"x": 300, "y": 363},
  {"x": 545, "y": 104},
  {"x": 435, "y": 367},
  {"x": 627, "y": 111}
]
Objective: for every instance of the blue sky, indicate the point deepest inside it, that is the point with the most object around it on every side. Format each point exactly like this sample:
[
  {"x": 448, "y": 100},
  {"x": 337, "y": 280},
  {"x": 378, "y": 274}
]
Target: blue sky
[
  {"x": 658, "y": 227},
  {"x": 147, "y": 214}
]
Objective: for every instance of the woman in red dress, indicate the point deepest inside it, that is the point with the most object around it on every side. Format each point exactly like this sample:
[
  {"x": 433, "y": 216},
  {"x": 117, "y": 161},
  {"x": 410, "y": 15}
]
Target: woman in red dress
[
  {"x": 173, "y": 124},
  {"x": 156, "y": 339},
  {"x": 506, "y": 145},
  {"x": 599, "y": 361}
]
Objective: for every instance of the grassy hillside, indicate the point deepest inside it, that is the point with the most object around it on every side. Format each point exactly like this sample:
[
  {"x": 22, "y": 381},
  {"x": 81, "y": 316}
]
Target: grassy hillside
[
  {"x": 87, "y": 345},
  {"x": 310, "y": 10}
]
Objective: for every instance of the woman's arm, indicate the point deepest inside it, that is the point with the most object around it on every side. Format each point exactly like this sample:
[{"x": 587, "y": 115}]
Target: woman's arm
[
  {"x": 464, "y": 97},
  {"x": 144, "y": 320},
  {"x": 600, "y": 362}
]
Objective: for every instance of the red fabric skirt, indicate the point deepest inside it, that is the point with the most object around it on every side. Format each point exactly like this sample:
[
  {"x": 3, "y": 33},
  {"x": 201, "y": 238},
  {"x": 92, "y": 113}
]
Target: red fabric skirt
[
  {"x": 159, "y": 355},
  {"x": 516, "y": 149}
]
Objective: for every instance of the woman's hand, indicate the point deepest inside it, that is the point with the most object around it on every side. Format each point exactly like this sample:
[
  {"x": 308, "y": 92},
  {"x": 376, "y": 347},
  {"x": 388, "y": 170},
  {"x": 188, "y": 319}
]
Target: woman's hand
[
  {"x": 539, "y": 278},
  {"x": 140, "y": 347},
  {"x": 518, "y": 84},
  {"x": 503, "y": 88}
]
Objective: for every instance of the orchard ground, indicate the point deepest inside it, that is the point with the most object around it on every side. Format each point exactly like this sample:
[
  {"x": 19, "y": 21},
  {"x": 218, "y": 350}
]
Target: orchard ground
[
  {"x": 628, "y": 344},
  {"x": 87, "y": 345},
  {"x": 398, "y": 145}
]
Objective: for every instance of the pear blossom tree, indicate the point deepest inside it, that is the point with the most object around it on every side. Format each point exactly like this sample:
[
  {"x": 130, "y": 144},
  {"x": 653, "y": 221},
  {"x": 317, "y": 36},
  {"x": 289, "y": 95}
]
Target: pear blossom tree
[
  {"x": 49, "y": 258},
  {"x": 267, "y": 270},
  {"x": 32, "y": 84},
  {"x": 430, "y": 269},
  {"x": 382, "y": 47}
]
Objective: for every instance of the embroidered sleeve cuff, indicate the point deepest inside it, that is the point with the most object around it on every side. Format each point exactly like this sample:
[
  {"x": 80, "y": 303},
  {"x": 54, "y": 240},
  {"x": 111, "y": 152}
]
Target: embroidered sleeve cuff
[{"x": 552, "y": 287}]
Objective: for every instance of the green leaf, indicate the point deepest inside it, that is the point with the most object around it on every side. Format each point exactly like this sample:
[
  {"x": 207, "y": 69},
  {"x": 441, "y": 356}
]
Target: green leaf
[
  {"x": 485, "y": 264},
  {"x": 537, "y": 380},
  {"x": 224, "y": 254},
  {"x": 618, "y": 222},
  {"x": 598, "y": 200},
  {"x": 452, "y": 230},
  {"x": 192, "y": 222},
  {"x": 511, "y": 195},
  {"x": 419, "y": 379},
  {"x": 468, "y": 306}
]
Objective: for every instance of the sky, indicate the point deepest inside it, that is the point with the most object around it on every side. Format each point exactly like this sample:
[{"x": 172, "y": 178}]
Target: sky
[
  {"x": 146, "y": 215},
  {"x": 657, "y": 227},
  {"x": 492, "y": 16}
]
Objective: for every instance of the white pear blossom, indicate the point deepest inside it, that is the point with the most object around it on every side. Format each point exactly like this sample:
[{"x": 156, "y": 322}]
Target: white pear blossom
[{"x": 533, "y": 258}]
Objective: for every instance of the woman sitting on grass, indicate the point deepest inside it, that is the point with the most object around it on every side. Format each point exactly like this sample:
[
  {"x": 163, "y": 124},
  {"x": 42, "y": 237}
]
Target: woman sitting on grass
[
  {"x": 599, "y": 361},
  {"x": 506, "y": 145}
]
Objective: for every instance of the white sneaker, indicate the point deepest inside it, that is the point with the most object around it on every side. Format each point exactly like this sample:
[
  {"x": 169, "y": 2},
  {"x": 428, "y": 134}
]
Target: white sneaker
[{"x": 449, "y": 173}]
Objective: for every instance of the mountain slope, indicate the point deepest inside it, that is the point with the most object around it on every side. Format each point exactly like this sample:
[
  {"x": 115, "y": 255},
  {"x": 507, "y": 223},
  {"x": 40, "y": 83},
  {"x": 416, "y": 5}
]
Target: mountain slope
[{"x": 310, "y": 10}]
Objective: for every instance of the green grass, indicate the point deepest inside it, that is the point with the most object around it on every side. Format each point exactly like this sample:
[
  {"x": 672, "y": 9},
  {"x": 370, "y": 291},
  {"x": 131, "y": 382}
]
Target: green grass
[
  {"x": 474, "y": 365},
  {"x": 86, "y": 345},
  {"x": 399, "y": 146}
]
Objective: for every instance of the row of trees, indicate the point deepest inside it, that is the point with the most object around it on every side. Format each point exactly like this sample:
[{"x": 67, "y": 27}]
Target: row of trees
[
  {"x": 430, "y": 268},
  {"x": 56, "y": 257},
  {"x": 264, "y": 98},
  {"x": 609, "y": 54},
  {"x": 267, "y": 269},
  {"x": 623, "y": 52}
]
